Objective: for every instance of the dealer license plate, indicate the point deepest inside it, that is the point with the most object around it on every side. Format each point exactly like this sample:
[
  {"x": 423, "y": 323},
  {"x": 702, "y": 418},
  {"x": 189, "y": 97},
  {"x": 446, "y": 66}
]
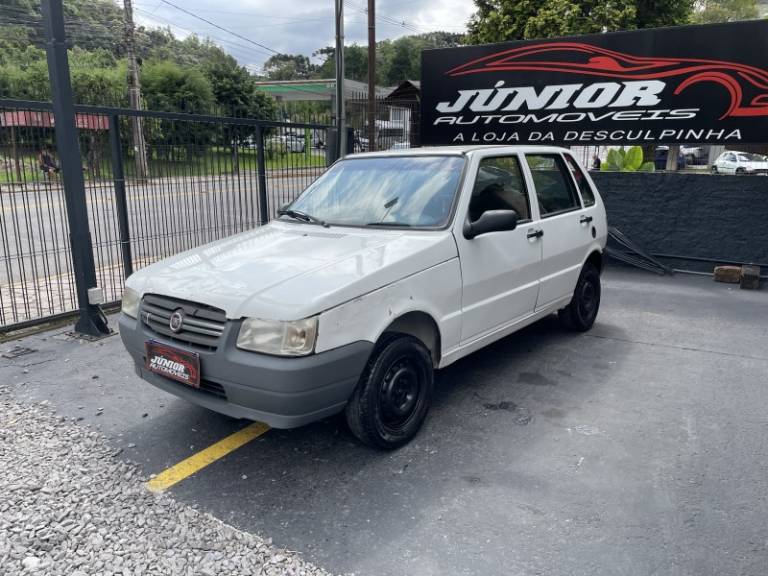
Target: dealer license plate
[{"x": 173, "y": 363}]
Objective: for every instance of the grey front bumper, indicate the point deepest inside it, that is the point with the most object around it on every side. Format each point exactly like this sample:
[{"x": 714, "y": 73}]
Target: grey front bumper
[{"x": 282, "y": 392}]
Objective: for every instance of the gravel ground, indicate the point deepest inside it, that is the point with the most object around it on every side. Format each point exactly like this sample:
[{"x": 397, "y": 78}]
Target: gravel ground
[{"x": 70, "y": 507}]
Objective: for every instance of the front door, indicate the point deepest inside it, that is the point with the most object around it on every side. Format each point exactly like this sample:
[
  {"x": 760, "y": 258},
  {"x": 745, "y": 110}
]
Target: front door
[
  {"x": 565, "y": 228},
  {"x": 500, "y": 270}
]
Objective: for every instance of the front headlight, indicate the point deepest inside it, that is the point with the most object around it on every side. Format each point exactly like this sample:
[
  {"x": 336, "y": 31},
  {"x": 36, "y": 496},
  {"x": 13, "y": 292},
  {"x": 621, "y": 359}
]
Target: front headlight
[
  {"x": 130, "y": 305},
  {"x": 295, "y": 338}
]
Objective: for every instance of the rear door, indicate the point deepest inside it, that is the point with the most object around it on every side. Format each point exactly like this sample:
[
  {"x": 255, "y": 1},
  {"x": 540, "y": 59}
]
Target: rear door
[
  {"x": 500, "y": 270},
  {"x": 564, "y": 225}
]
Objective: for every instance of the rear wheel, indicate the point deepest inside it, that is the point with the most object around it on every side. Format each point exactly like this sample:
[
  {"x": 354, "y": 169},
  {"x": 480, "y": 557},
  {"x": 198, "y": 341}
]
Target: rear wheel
[
  {"x": 393, "y": 396},
  {"x": 581, "y": 312}
]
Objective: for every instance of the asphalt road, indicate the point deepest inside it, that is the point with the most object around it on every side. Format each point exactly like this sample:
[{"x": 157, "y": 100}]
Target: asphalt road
[{"x": 637, "y": 448}]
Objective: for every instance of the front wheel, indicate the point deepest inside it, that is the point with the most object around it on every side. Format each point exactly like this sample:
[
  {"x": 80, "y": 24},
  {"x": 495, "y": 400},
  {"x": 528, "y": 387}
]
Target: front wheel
[
  {"x": 393, "y": 396},
  {"x": 581, "y": 312}
]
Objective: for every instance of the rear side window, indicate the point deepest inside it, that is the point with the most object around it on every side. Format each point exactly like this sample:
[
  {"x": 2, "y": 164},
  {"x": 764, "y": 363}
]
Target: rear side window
[
  {"x": 554, "y": 188},
  {"x": 587, "y": 196}
]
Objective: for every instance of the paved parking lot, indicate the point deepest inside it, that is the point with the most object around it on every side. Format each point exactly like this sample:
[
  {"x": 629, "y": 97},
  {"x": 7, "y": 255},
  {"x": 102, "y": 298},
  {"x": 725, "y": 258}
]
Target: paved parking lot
[{"x": 637, "y": 448}]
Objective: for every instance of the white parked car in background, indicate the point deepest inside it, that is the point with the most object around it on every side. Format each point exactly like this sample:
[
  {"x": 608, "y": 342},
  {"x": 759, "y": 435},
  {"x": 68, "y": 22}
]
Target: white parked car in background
[
  {"x": 389, "y": 266},
  {"x": 730, "y": 162}
]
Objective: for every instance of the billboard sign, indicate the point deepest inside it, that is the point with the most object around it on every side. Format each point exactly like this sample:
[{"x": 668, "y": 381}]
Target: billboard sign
[{"x": 665, "y": 85}]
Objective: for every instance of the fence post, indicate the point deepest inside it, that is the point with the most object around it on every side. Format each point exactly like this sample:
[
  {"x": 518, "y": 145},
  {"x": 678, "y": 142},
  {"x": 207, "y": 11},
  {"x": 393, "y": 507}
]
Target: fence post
[
  {"x": 92, "y": 320},
  {"x": 121, "y": 201},
  {"x": 262, "y": 171}
]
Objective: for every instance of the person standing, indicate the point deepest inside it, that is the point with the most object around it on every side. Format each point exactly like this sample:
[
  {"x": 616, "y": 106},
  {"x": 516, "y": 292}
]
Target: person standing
[{"x": 47, "y": 163}]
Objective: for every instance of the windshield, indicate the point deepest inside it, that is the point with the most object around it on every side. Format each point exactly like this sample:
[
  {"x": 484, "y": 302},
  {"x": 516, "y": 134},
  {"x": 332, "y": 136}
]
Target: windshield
[{"x": 387, "y": 191}]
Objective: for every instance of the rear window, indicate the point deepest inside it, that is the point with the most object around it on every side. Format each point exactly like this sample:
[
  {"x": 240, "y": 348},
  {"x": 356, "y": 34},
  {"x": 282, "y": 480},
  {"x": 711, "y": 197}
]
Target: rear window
[{"x": 554, "y": 188}]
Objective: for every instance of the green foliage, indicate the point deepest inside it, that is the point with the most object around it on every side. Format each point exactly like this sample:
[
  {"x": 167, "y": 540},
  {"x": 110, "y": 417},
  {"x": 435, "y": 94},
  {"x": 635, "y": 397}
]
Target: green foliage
[
  {"x": 500, "y": 20},
  {"x": 288, "y": 67},
  {"x": 620, "y": 160},
  {"x": 709, "y": 11},
  {"x": 396, "y": 60},
  {"x": 201, "y": 75},
  {"x": 174, "y": 88}
]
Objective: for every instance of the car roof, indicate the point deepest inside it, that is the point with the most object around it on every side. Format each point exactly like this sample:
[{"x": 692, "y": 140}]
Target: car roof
[{"x": 457, "y": 150}]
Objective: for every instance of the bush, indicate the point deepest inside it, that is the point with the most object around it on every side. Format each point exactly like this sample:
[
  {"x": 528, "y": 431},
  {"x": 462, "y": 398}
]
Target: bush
[{"x": 626, "y": 161}]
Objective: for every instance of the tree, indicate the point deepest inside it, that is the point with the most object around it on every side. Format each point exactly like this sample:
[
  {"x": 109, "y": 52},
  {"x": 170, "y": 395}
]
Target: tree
[
  {"x": 500, "y": 20},
  {"x": 659, "y": 13},
  {"x": 168, "y": 86},
  {"x": 355, "y": 62},
  {"x": 288, "y": 67},
  {"x": 234, "y": 89},
  {"x": 709, "y": 11}
]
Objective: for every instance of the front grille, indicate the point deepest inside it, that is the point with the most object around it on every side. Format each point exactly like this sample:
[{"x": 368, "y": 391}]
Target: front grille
[{"x": 201, "y": 326}]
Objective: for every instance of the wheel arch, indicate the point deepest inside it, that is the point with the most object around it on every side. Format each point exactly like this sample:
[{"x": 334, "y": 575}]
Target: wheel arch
[
  {"x": 421, "y": 326},
  {"x": 595, "y": 258}
]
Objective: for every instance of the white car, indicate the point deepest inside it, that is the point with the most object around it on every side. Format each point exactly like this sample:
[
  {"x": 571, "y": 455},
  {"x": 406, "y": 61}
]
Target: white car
[
  {"x": 389, "y": 266},
  {"x": 730, "y": 162},
  {"x": 287, "y": 142}
]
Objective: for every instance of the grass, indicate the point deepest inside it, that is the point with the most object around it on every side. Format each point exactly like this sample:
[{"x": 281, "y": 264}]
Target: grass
[{"x": 213, "y": 161}]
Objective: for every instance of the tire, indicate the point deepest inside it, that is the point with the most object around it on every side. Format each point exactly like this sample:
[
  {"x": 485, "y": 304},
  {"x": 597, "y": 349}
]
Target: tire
[
  {"x": 714, "y": 169},
  {"x": 581, "y": 312},
  {"x": 740, "y": 171},
  {"x": 392, "y": 398}
]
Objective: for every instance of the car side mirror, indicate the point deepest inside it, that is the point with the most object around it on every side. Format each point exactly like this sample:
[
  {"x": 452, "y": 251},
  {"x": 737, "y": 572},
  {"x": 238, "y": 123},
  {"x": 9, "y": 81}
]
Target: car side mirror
[{"x": 491, "y": 221}]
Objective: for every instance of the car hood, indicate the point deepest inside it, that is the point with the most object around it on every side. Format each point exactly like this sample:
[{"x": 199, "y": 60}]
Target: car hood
[{"x": 287, "y": 271}]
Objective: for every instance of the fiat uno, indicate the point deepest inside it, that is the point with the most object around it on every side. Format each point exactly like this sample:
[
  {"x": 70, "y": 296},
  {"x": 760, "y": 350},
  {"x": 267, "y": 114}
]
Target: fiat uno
[{"x": 389, "y": 266}]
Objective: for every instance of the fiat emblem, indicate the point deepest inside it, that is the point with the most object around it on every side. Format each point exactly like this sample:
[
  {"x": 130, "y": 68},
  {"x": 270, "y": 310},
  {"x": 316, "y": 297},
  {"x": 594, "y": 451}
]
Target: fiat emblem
[{"x": 176, "y": 321}]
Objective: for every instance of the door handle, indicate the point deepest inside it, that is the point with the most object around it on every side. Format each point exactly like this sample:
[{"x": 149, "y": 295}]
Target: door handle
[
  {"x": 535, "y": 233},
  {"x": 585, "y": 220}
]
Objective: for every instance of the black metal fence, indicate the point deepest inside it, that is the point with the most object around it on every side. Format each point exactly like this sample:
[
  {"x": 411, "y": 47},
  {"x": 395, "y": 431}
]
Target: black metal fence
[{"x": 198, "y": 179}]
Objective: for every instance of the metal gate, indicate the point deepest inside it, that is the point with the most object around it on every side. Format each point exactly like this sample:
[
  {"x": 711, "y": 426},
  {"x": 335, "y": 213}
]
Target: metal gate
[{"x": 200, "y": 178}]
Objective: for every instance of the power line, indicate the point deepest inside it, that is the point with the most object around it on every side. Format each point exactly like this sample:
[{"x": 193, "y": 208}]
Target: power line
[
  {"x": 220, "y": 27},
  {"x": 208, "y": 35}
]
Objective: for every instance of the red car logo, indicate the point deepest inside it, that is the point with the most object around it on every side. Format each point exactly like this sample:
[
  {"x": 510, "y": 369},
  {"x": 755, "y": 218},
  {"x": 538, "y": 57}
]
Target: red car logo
[{"x": 747, "y": 86}]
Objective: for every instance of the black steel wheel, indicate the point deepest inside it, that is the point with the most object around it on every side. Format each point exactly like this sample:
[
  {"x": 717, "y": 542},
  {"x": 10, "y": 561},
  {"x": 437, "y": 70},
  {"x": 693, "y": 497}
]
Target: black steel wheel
[
  {"x": 393, "y": 396},
  {"x": 581, "y": 312}
]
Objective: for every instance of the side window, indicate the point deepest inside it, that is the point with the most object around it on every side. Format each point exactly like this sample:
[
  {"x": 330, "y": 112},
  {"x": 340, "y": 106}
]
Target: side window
[
  {"x": 582, "y": 185},
  {"x": 499, "y": 186},
  {"x": 554, "y": 188}
]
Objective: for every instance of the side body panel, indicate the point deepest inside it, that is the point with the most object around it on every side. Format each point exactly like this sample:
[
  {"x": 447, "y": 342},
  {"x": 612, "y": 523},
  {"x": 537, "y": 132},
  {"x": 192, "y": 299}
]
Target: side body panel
[{"x": 435, "y": 291}]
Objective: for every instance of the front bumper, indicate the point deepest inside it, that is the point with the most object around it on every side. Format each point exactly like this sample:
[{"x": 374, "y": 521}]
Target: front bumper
[{"x": 282, "y": 392}]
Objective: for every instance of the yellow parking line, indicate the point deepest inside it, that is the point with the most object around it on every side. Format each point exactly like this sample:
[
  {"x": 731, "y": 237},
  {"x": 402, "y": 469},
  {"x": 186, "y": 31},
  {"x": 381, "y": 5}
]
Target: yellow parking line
[{"x": 196, "y": 462}]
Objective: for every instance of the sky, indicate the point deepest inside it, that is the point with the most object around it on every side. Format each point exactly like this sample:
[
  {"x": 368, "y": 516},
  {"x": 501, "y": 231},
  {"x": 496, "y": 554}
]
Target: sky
[{"x": 298, "y": 26}]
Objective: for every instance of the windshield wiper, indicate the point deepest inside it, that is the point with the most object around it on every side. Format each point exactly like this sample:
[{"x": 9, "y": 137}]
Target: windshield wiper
[
  {"x": 303, "y": 217},
  {"x": 399, "y": 224}
]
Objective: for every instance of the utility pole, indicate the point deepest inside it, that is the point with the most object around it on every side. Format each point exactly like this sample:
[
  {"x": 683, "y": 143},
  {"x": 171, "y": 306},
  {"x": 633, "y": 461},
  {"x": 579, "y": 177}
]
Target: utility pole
[
  {"x": 371, "y": 75},
  {"x": 340, "y": 93},
  {"x": 134, "y": 93},
  {"x": 92, "y": 320}
]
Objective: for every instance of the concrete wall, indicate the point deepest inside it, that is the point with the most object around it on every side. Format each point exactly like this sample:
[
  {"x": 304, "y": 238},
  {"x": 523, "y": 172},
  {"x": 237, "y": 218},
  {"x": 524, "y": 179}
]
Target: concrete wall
[{"x": 702, "y": 215}]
